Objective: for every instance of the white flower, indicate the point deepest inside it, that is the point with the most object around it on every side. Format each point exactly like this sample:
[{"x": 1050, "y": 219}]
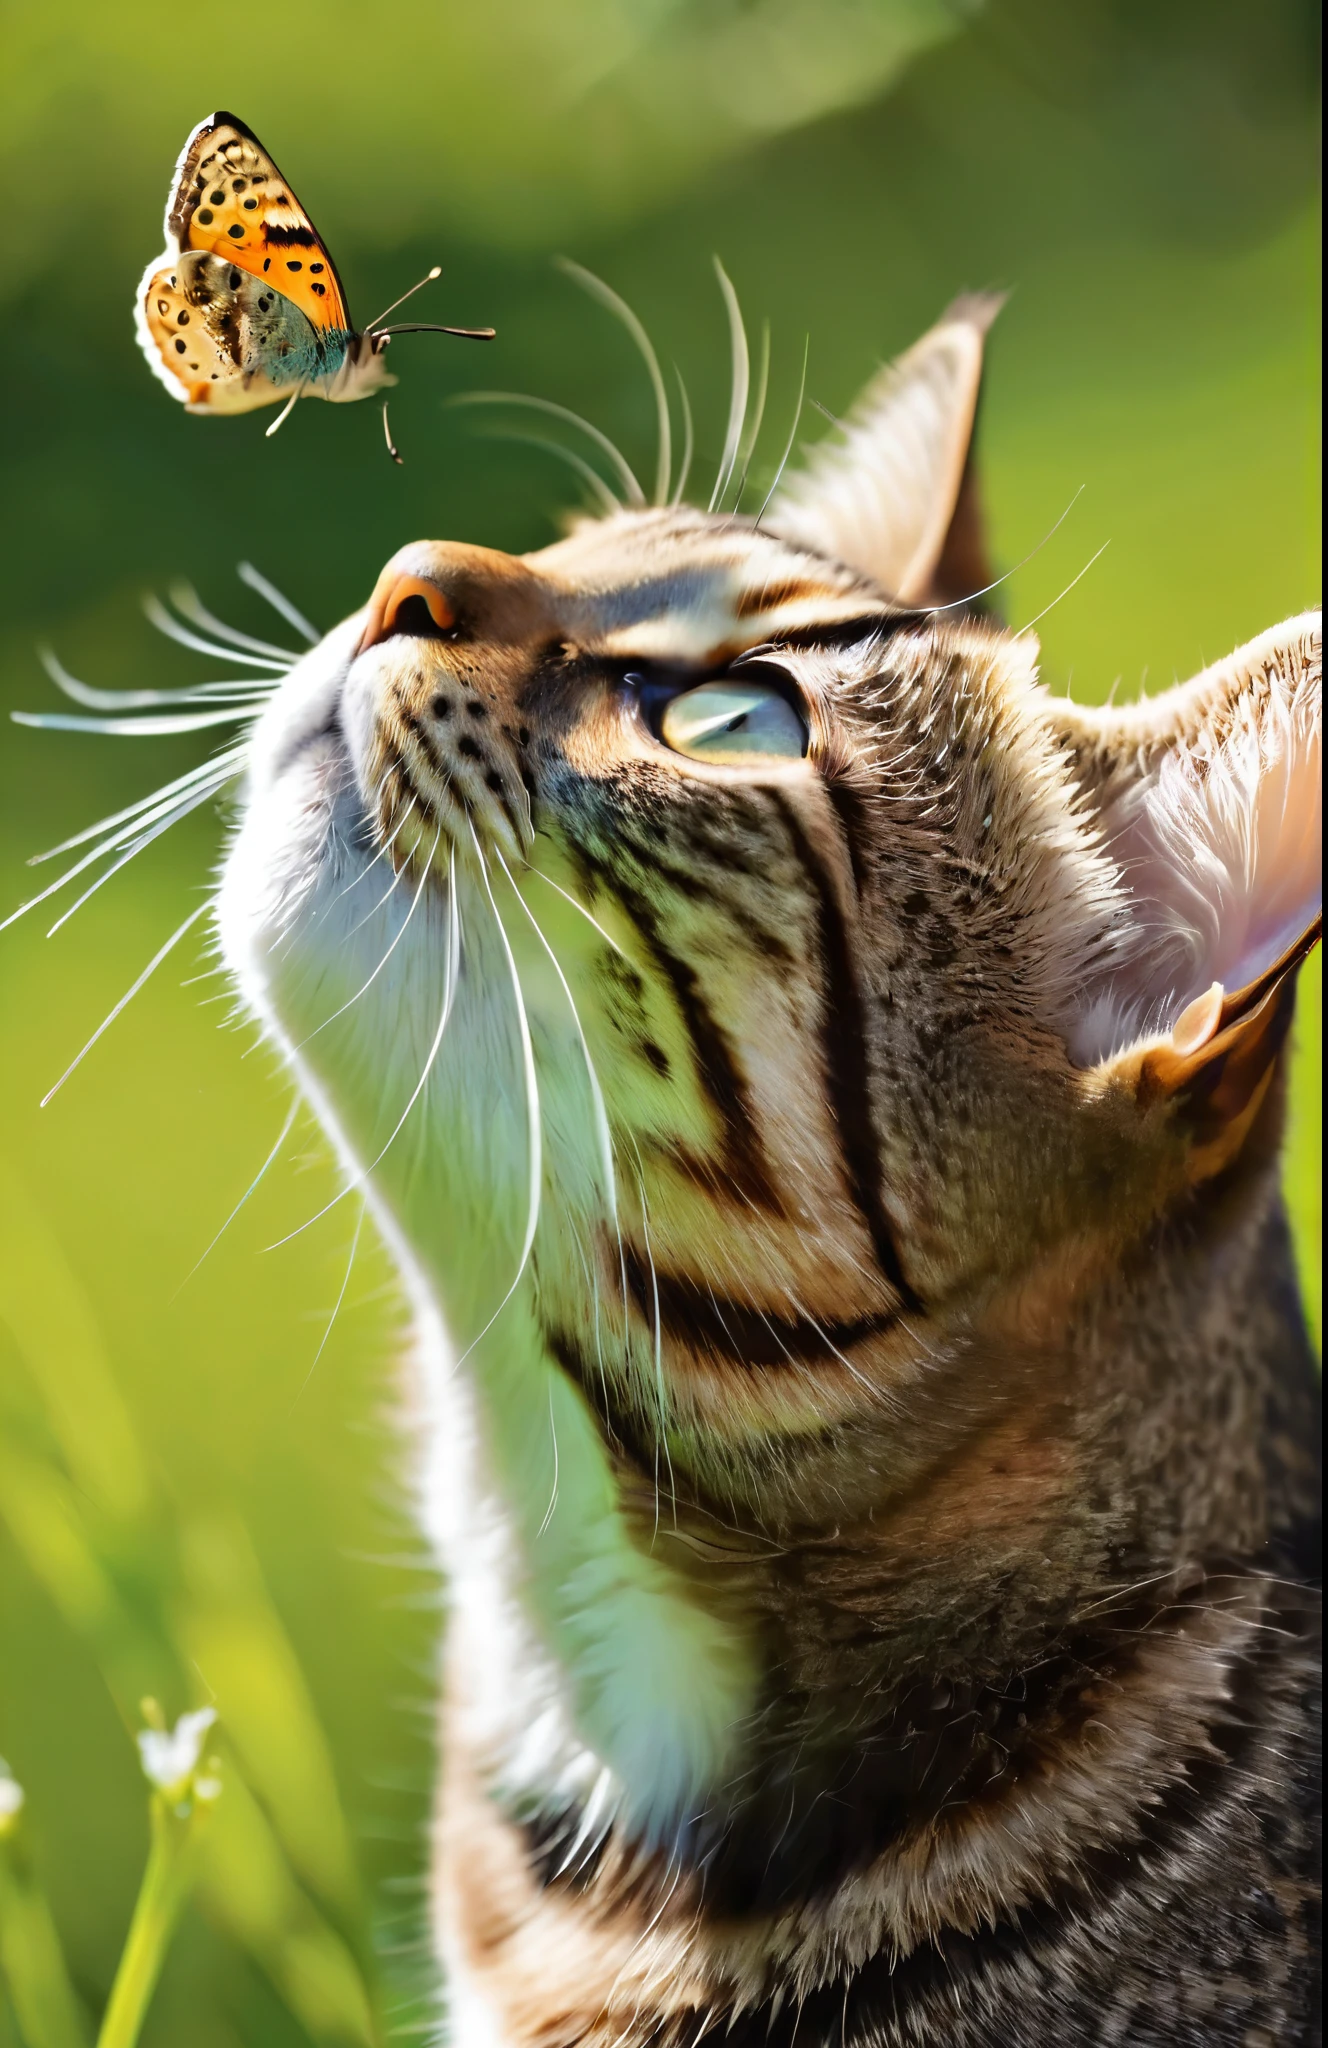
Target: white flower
[
  {"x": 11, "y": 1798},
  {"x": 170, "y": 1755}
]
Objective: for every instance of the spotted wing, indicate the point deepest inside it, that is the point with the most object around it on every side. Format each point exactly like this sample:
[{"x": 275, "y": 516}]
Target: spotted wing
[
  {"x": 222, "y": 340},
  {"x": 229, "y": 199}
]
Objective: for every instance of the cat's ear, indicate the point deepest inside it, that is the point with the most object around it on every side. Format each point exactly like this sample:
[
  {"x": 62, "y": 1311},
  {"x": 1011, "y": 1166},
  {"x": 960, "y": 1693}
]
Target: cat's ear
[
  {"x": 1208, "y": 804},
  {"x": 893, "y": 494}
]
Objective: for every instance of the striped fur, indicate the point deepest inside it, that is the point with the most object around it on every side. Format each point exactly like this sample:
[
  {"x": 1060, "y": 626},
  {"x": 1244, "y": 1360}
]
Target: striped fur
[{"x": 867, "y": 1409}]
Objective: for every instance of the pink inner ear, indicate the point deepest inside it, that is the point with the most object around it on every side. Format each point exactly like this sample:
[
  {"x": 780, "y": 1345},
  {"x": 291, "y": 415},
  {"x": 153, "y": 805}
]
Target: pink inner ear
[{"x": 1220, "y": 852}]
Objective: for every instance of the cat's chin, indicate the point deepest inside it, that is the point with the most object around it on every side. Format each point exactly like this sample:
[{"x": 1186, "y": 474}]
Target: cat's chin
[{"x": 303, "y": 814}]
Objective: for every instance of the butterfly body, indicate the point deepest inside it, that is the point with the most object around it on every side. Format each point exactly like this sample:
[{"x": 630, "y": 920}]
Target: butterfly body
[
  {"x": 244, "y": 307},
  {"x": 224, "y": 341}
]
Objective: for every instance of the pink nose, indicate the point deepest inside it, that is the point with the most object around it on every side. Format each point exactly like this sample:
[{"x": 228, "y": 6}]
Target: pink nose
[{"x": 391, "y": 591}]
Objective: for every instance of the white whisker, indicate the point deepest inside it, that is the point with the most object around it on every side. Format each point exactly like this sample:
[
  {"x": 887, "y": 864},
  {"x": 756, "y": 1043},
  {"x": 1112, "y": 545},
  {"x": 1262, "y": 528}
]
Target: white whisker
[
  {"x": 622, "y": 311},
  {"x": 139, "y": 700},
  {"x": 160, "y": 807},
  {"x": 662, "y": 1440},
  {"x": 534, "y": 1125},
  {"x": 933, "y": 610},
  {"x": 607, "y": 937},
  {"x": 603, "y": 1133},
  {"x": 158, "y": 616},
  {"x": 449, "y": 990},
  {"x": 419, "y": 891},
  {"x": 279, "y": 603},
  {"x": 627, "y": 476},
  {"x": 608, "y": 502},
  {"x": 336, "y": 1306},
  {"x": 752, "y": 434},
  {"x": 191, "y": 607},
  {"x": 741, "y": 376},
  {"x": 450, "y": 977},
  {"x": 220, "y": 768},
  {"x": 135, "y": 847},
  {"x": 793, "y": 432},
  {"x": 1064, "y": 593},
  {"x": 553, "y": 1492},
  {"x": 148, "y": 728},
  {"x": 282, "y": 1136},
  {"x": 153, "y": 964},
  {"x": 381, "y": 854},
  {"x": 688, "y": 440}
]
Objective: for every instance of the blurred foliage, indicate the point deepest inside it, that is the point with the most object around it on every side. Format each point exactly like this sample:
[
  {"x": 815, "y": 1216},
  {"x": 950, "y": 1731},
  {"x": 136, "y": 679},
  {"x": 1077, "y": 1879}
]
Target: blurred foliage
[{"x": 193, "y": 1502}]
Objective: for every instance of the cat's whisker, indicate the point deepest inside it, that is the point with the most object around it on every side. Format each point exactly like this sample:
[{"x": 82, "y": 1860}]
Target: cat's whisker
[
  {"x": 607, "y": 937},
  {"x": 167, "y": 809},
  {"x": 553, "y": 1491},
  {"x": 280, "y": 603},
  {"x": 622, "y": 311},
  {"x": 793, "y": 432},
  {"x": 392, "y": 448},
  {"x": 336, "y": 1306},
  {"x": 626, "y": 475},
  {"x": 153, "y": 964},
  {"x": 603, "y": 1133},
  {"x": 217, "y": 771},
  {"x": 282, "y": 1136},
  {"x": 534, "y": 1123},
  {"x": 426, "y": 868},
  {"x": 191, "y": 607},
  {"x": 607, "y": 501},
  {"x": 149, "y": 727},
  {"x": 739, "y": 383},
  {"x": 958, "y": 603},
  {"x": 383, "y": 851},
  {"x": 451, "y": 975},
  {"x": 1039, "y": 616},
  {"x": 688, "y": 440},
  {"x": 157, "y": 615},
  {"x": 752, "y": 434},
  {"x": 135, "y": 847},
  {"x": 661, "y": 1439},
  {"x": 448, "y": 994},
  {"x": 142, "y": 700}
]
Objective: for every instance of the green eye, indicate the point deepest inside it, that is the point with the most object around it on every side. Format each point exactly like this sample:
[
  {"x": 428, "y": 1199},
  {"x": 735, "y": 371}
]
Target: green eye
[{"x": 733, "y": 722}]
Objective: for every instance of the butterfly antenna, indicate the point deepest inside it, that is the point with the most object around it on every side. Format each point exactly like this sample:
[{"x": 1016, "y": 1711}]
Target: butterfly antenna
[
  {"x": 431, "y": 327},
  {"x": 437, "y": 271},
  {"x": 392, "y": 448}
]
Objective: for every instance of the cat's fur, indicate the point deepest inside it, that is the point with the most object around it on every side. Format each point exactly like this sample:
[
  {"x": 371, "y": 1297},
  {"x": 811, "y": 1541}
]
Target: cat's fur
[{"x": 871, "y": 1429}]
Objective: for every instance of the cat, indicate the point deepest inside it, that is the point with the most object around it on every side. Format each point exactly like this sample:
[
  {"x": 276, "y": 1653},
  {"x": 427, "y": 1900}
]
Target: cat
[{"x": 823, "y": 1094}]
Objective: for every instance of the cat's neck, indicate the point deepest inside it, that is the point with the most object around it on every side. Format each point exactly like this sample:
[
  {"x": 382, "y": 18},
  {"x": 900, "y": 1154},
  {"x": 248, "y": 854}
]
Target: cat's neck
[{"x": 1161, "y": 1431}]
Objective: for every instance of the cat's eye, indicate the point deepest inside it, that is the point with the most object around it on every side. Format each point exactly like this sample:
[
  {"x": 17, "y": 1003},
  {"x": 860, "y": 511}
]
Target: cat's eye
[{"x": 736, "y": 722}]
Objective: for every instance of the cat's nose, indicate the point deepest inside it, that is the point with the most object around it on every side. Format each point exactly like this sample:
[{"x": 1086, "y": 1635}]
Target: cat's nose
[
  {"x": 409, "y": 596},
  {"x": 442, "y": 590}
]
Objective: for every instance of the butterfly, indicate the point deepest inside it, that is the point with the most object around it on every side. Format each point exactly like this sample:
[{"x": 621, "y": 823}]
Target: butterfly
[{"x": 244, "y": 308}]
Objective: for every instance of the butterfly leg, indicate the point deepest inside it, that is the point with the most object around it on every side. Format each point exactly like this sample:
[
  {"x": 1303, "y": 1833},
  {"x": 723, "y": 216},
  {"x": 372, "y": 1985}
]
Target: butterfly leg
[{"x": 285, "y": 412}]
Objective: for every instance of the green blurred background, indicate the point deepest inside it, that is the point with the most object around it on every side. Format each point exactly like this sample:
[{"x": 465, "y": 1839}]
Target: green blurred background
[{"x": 189, "y": 1504}]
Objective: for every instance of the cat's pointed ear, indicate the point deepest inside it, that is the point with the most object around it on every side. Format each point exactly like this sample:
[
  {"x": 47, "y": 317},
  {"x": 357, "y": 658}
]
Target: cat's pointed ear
[
  {"x": 893, "y": 494},
  {"x": 1208, "y": 804}
]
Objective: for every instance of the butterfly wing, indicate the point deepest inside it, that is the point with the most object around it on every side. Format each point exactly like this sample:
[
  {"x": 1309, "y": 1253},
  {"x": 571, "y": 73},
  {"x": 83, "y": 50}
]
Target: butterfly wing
[
  {"x": 229, "y": 200},
  {"x": 223, "y": 340}
]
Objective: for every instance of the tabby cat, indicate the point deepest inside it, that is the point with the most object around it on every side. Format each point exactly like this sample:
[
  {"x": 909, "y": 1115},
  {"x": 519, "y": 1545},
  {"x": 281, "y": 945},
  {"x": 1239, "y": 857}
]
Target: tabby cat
[{"x": 824, "y": 1095}]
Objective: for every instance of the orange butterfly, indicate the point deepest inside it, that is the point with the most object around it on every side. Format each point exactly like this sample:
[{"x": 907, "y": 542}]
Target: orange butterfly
[{"x": 244, "y": 308}]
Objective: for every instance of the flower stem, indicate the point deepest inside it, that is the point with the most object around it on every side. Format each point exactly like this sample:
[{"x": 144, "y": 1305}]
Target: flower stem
[{"x": 166, "y": 1880}]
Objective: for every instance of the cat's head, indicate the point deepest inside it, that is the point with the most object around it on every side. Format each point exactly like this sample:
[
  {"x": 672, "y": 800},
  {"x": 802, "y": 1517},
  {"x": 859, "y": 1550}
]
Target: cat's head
[{"x": 727, "y": 968}]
